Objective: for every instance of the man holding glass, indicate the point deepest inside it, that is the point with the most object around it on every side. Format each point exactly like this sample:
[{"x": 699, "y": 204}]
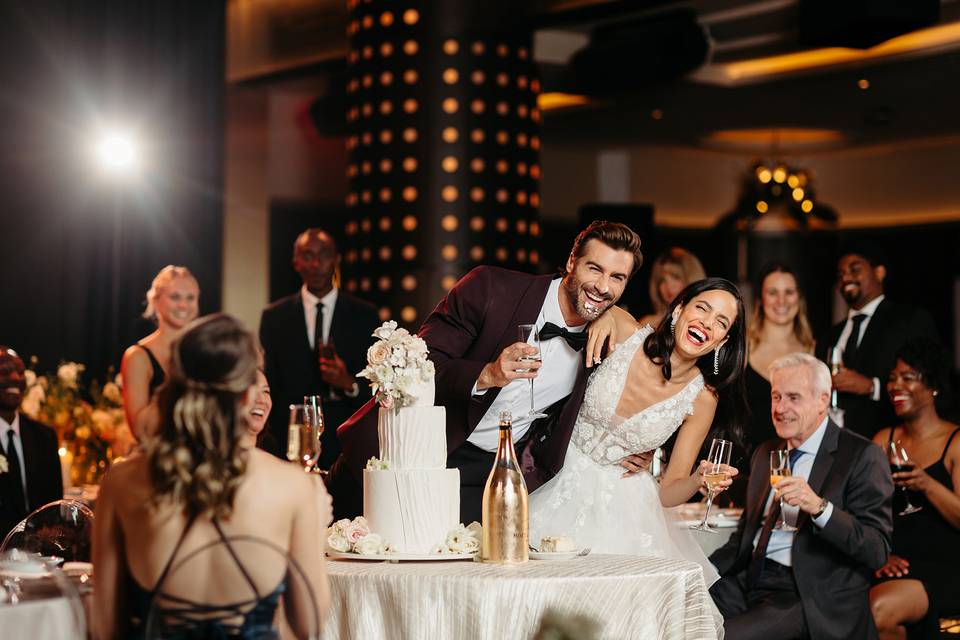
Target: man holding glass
[
  {"x": 800, "y": 563},
  {"x": 484, "y": 367},
  {"x": 314, "y": 341}
]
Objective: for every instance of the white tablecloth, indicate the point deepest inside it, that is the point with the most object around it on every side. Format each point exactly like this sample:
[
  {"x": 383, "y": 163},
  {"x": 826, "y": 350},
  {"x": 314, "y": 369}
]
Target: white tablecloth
[
  {"x": 48, "y": 619},
  {"x": 629, "y": 596}
]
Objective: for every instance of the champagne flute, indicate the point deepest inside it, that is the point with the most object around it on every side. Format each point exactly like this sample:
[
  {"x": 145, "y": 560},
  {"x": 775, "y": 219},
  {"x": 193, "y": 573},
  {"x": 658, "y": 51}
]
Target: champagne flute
[
  {"x": 900, "y": 461},
  {"x": 780, "y": 469},
  {"x": 715, "y": 473},
  {"x": 313, "y": 426},
  {"x": 525, "y": 332},
  {"x": 835, "y": 360}
]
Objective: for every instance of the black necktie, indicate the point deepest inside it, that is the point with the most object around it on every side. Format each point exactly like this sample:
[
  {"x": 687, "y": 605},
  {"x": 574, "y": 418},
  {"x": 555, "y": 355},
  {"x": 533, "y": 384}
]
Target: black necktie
[
  {"x": 760, "y": 551},
  {"x": 850, "y": 351},
  {"x": 17, "y": 499},
  {"x": 576, "y": 339},
  {"x": 318, "y": 330}
]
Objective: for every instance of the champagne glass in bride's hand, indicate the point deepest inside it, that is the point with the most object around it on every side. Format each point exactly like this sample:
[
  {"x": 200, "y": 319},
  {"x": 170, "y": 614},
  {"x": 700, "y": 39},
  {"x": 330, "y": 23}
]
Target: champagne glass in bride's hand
[
  {"x": 780, "y": 469},
  {"x": 525, "y": 333},
  {"x": 900, "y": 461},
  {"x": 715, "y": 473}
]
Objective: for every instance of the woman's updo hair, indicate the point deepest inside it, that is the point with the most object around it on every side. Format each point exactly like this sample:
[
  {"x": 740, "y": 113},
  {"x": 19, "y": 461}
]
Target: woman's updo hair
[
  {"x": 161, "y": 280},
  {"x": 196, "y": 460}
]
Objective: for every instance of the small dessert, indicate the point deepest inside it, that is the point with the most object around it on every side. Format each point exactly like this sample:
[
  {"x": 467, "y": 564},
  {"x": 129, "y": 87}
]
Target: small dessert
[{"x": 556, "y": 544}]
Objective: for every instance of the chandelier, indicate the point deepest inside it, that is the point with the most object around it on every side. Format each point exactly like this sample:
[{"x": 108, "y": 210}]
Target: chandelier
[{"x": 775, "y": 185}]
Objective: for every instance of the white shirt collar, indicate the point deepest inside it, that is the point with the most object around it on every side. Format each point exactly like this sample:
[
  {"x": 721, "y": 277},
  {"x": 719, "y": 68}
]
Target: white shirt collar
[
  {"x": 310, "y": 301},
  {"x": 551, "y": 307},
  {"x": 868, "y": 309},
  {"x": 812, "y": 444},
  {"x": 5, "y": 426}
]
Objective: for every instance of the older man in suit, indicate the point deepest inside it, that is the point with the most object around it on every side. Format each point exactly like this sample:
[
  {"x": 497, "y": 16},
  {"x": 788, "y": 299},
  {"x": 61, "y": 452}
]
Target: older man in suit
[
  {"x": 875, "y": 328},
  {"x": 473, "y": 341},
  {"x": 30, "y": 475},
  {"x": 314, "y": 342},
  {"x": 812, "y": 582}
]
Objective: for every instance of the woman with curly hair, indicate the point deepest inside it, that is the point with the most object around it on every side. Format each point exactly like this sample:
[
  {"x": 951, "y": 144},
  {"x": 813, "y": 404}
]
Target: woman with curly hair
[
  {"x": 202, "y": 527},
  {"x": 919, "y": 581}
]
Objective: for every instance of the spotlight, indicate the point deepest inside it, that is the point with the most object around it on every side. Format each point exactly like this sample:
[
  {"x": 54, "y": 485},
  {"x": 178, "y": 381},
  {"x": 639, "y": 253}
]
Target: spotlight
[{"x": 117, "y": 152}]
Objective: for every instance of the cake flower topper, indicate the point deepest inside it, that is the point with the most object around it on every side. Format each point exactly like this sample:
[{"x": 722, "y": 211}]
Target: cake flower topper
[{"x": 397, "y": 366}]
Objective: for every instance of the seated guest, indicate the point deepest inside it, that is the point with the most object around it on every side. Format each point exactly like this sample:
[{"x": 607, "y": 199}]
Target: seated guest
[
  {"x": 811, "y": 583},
  {"x": 259, "y": 412},
  {"x": 919, "y": 582},
  {"x": 30, "y": 473},
  {"x": 173, "y": 302},
  {"x": 200, "y": 484}
]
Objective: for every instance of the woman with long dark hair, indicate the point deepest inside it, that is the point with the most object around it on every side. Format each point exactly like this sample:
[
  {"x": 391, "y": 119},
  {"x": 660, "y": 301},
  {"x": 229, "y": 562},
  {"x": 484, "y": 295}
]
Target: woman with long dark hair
[
  {"x": 658, "y": 381},
  {"x": 202, "y": 529}
]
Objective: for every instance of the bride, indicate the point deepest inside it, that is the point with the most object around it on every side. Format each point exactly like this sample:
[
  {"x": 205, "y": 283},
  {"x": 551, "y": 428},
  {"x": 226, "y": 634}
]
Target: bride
[{"x": 656, "y": 382}]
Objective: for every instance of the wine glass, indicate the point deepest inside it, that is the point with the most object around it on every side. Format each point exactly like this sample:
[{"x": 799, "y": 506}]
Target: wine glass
[
  {"x": 835, "y": 360},
  {"x": 900, "y": 461},
  {"x": 780, "y": 469},
  {"x": 716, "y": 472},
  {"x": 525, "y": 332}
]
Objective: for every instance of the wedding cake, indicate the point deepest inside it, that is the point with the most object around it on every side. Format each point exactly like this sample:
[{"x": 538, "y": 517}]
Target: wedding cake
[{"x": 410, "y": 498}]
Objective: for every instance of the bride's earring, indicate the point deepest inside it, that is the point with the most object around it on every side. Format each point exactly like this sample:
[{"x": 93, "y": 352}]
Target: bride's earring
[
  {"x": 716, "y": 360},
  {"x": 673, "y": 323}
]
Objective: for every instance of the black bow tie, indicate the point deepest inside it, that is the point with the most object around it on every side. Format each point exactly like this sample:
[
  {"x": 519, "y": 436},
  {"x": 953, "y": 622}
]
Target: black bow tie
[{"x": 576, "y": 339}]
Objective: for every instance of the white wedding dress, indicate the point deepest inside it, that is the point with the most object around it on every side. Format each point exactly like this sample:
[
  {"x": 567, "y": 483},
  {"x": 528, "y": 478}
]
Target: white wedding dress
[{"x": 589, "y": 501}]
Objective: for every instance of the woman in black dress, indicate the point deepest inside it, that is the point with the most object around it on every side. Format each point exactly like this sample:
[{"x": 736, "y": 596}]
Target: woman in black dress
[{"x": 919, "y": 582}]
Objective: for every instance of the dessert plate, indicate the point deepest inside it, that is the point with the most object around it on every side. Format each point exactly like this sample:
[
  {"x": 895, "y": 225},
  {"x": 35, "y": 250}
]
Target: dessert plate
[
  {"x": 401, "y": 557},
  {"x": 553, "y": 555}
]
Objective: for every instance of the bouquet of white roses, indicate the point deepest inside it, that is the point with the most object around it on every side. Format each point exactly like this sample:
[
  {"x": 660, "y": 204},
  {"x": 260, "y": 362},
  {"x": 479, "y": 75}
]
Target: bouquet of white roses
[
  {"x": 354, "y": 536},
  {"x": 397, "y": 366}
]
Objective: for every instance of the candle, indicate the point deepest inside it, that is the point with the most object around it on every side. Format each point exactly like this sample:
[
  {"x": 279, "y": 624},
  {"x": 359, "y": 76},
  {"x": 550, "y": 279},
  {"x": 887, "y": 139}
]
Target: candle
[{"x": 66, "y": 464}]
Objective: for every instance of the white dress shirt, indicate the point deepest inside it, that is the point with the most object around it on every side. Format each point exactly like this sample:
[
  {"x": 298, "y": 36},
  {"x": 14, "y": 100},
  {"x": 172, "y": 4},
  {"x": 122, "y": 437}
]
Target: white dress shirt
[
  {"x": 554, "y": 382},
  {"x": 779, "y": 547},
  {"x": 17, "y": 445},
  {"x": 868, "y": 310},
  {"x": 310, "y": 301}
]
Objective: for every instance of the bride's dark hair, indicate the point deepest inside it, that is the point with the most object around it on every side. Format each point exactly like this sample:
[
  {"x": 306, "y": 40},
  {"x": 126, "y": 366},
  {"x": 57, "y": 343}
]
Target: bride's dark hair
[
  {"x": 728, "y": 381},
  {"x": 195, "y": 460}
]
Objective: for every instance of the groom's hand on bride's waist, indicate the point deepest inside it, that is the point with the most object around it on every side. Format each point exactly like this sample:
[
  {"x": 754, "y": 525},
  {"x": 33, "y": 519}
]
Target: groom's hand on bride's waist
[{"x": 636, "y": 463}]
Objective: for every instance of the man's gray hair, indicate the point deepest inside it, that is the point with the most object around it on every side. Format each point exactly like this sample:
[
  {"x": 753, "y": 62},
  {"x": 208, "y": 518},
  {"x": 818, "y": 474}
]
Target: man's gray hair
[{"x": 819, "y": 372}]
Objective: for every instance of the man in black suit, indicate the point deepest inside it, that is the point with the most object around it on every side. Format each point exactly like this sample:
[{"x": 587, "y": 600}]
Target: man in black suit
[
  {"x": 315, "y": 342},
  {"x": 875, "y": 328},
  {"x": 812, "y": 582},
  {"x": 32, "y": 475}
]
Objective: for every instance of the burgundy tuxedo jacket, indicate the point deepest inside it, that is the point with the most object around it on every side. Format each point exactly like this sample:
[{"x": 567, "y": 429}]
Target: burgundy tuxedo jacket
[{"x": 469, "y": 328}]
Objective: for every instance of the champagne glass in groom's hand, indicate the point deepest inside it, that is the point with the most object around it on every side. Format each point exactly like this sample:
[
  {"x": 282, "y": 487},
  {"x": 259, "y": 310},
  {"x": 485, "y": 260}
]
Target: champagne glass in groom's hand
[{"x": 529, "y": 333}]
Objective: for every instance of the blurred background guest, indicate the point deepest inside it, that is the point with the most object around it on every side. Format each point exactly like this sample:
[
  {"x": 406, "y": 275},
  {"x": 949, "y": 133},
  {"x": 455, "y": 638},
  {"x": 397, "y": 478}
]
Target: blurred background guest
[
  {"x": 868, "y": 338},
  {"x": 778, "y": 326},
  {"x": 173, "y": 302},
  {"x": 919, "y": 582},
  {"x": 673, "y": 270},
  {"x": 30, "y": 475},
  {"x": 196, "y": 486},
  {"x": 315, "y": 342}
]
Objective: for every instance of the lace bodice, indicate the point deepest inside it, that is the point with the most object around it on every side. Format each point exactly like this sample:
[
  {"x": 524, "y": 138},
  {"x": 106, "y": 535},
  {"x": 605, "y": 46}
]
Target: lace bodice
[{"x": 605, "y": 437}]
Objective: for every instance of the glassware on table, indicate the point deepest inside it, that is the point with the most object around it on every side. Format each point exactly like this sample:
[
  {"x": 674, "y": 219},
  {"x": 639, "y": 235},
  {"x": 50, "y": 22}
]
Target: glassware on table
[
  {"x": 900, "y": 461},
  {"x": 718, "y": 461},
  {"x": 530, "y": 332},
  {"x": 328, "y": 351},
  {"x": 780, "y": 469},
  {"x": 303, "y": 433},
  {"x": 835, "y": 360}
]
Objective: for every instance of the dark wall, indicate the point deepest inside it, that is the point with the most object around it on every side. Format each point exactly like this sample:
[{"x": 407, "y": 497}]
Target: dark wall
[{"x": 78, "y": 250}]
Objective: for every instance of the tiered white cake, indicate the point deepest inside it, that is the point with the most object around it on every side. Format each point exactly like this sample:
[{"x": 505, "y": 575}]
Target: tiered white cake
[{"x": 416, "y": 502}]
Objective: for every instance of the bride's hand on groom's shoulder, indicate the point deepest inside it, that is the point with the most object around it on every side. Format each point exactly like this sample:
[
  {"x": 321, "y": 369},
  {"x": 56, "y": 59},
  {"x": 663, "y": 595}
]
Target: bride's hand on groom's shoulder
[
  {"x": 706, "y": 466},
  {"x": 608, "y": 330}
]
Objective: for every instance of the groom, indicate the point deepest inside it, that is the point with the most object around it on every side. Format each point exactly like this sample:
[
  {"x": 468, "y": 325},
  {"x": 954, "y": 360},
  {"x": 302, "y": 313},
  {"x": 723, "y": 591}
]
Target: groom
[{"x": 473, "y": 341}]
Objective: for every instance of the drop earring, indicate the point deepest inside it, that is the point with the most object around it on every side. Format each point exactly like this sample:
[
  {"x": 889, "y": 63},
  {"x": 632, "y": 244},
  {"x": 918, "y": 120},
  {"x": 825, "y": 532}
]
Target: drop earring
[
  {"x": 673, "y": 324},
  {"x": 716, "y": 360}
]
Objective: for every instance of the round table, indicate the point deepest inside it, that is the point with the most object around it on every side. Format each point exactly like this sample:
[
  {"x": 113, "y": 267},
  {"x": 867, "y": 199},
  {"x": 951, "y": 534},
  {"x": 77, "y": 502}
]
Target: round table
[{"x": 627, "y": 596}]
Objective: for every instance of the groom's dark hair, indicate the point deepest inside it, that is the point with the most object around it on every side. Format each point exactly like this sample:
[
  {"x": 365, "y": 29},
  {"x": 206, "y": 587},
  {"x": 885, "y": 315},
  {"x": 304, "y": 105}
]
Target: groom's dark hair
[{"x": 613, "y": 234}]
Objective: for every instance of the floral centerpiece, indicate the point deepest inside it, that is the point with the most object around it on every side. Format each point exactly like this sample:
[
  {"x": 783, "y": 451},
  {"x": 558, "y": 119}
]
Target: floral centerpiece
[
  {"x": 397, "y": 366},
  {"x": 91, "y": 427},
  {"x": 354, "y": 536}
]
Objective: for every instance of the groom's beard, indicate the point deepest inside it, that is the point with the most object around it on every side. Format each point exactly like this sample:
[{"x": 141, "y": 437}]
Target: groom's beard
[{"x": 586, "y": 308}]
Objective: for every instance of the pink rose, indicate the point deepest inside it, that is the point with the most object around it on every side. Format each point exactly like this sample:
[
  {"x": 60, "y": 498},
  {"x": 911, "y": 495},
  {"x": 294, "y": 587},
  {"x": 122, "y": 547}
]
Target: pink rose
[
  {"x": 378, "y": 353},
  {"x": 354, "y": 531}
]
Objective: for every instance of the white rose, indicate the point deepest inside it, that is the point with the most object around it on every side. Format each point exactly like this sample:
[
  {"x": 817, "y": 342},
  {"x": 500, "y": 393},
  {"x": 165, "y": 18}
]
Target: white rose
[
  {"x": 476, "y": 530},
  {"x": 385, "y": 330},
  {"x": 340, "y": 526},
  {"x": 4, "y": 465},
  {"x": 30, "y": 377},
  {"x": 401, "y": 333},
  {"x": 456, "y": 543},
  {"x": 369, "y": 544},
  {"x": 68, "y": 373},
  {"x": 338, "y": 543},
  {"x": 398, "y": 357},
  {"x": 355, "y": 531},
  {"x": 112, "y": 393},
  {"x": 378, "y": 353}
]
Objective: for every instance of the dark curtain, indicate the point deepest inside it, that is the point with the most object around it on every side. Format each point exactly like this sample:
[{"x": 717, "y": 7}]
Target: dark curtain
[{"x": 79, "y": 248}]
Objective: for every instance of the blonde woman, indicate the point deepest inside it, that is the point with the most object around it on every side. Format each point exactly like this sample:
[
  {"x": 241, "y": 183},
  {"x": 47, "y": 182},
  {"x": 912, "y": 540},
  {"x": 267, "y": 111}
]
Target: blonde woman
[
  {"x": 201, "y": 485},
  {"x": 778, "y": 326},
  {"x": 173, "y": 302},
  {"x": 673, "y": 270}
]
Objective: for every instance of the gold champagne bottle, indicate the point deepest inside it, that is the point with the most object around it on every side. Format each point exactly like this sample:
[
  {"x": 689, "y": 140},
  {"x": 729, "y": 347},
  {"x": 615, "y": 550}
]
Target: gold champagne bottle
[{"x": 506, "y": 524}]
